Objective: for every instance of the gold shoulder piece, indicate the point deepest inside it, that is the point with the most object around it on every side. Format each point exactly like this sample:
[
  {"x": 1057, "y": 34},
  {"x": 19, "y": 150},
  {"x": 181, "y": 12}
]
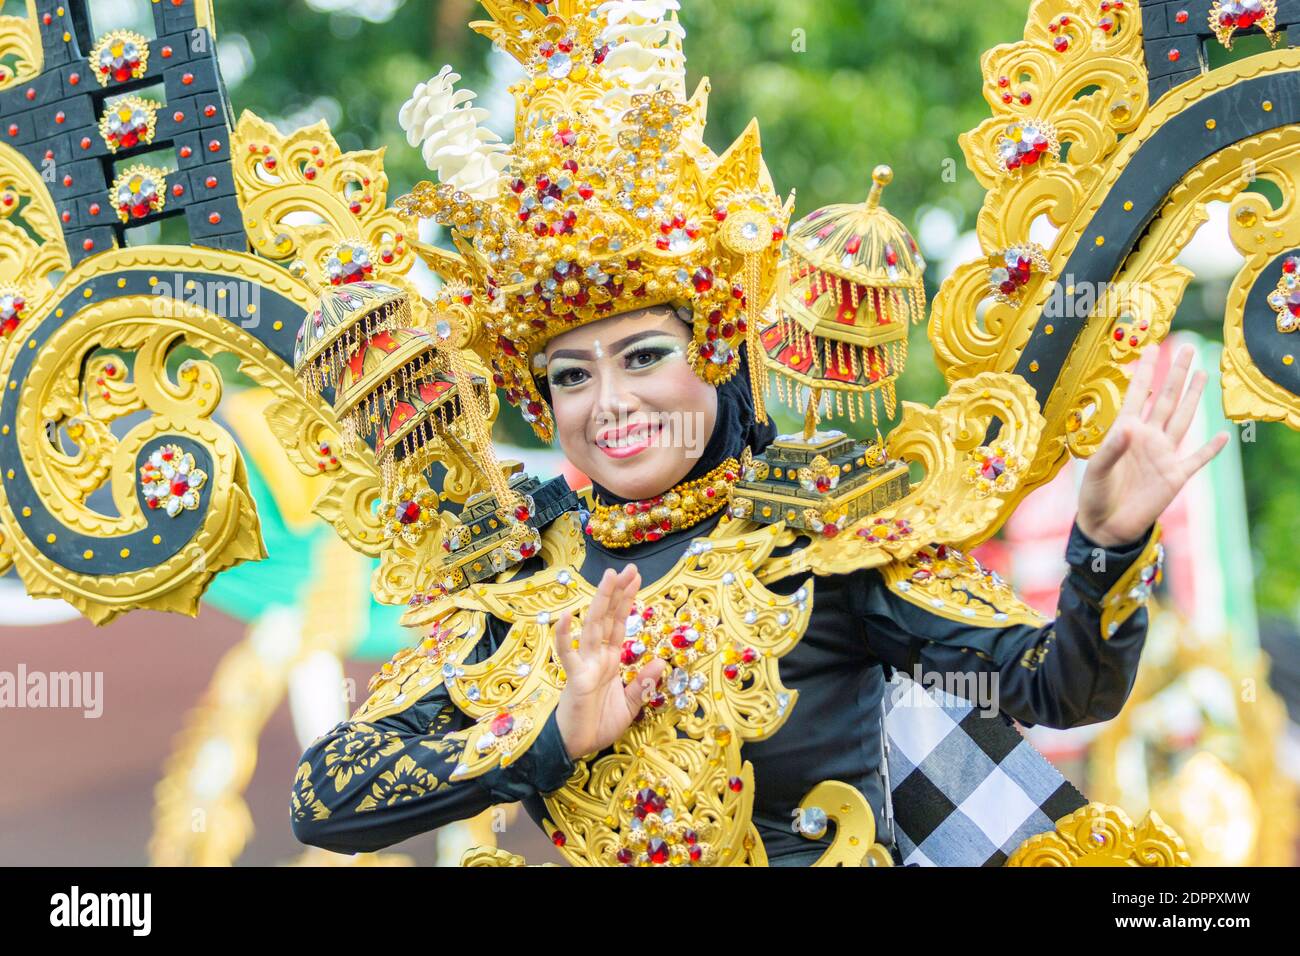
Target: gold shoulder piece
[
  {"x": 953, "y": 585},
  {"x": 496, "y": 739},
  {"x": 415, "y": 671},
  {"x": 1100, "y": 834},
  {"x": 1132, "y": 590}
]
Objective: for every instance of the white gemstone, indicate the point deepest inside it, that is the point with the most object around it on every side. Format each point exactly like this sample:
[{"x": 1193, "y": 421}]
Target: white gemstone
[
  {"x": 559, "y": 66},
  {"x": 633, "y": 626},
  {"x": 543, "y": 618},
  {"x": 812, "y": 822},
  {"x": 783, "y": 619},
  {"x": 473, "y": 692},
  {"x": 936, "y": 602},
  {"x": 523, "y": 669},
  {"x": 751, "y": 616},
  {"x": 678, "y": 681},
  {"x": 728, "y": 578},
  {"x": 564, "y": 577},
  {"x": 682, "y": 702}
]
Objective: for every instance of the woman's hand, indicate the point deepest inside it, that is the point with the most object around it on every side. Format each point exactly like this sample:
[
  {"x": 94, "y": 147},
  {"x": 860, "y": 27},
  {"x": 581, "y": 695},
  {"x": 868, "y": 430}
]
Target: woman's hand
[
  {"x": 595, "y": 708},
  {"x": 1138, "y": 471}
]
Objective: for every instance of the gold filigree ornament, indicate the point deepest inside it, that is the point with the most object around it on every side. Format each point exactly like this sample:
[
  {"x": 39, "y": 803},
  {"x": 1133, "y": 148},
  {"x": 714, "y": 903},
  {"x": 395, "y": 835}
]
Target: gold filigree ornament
[
  {"x": 1011, "y": 271},
  {"x": 1227, "y": 17},
  {"x": 22, "y": 56},
  {"x": 994, "y": 468},
  {"x": 674, "y": 789},
  {"x": 128, "y": 122},
  {"x": 1103, "y": 835},
  {"x": 1025, "y": 143},
  {"x": 119, "y": 56},
  {"x": 138, "y": 192}
]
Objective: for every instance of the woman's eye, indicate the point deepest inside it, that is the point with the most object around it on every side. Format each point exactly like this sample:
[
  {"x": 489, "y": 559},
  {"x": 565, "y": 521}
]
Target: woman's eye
[
  {"x": 644, "y": 358},
  {"x": 567, "y": 378}
]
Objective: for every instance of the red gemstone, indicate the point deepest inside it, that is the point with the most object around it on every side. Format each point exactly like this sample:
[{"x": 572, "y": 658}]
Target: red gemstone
[
  {"x": 558, "y": 838},
  {"x": 703, "y": 279},
  {"x": 502, "y": 724},
  {"x": 408, "y": 512},
  {"x": 735, "y": 784},
  {"x": 657, "y": 850},
  {"x": 521, "y": 513},
  {"x": 180, "y": 486}
]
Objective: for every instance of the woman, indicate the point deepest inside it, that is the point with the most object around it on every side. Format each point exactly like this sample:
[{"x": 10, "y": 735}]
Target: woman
[{"x": 629, "y": 411}]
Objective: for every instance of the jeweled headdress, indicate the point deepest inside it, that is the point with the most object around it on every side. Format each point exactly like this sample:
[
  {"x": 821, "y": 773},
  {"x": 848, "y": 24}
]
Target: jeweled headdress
[{"x": 608, "y": 201}]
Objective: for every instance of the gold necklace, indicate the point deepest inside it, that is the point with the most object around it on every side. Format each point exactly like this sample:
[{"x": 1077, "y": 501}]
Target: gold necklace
[{"x": 682, "y": 506}]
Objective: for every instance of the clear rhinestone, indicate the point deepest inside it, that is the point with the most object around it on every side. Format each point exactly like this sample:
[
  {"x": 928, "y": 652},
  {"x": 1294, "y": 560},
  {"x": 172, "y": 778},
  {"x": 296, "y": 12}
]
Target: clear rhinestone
[
  {"x": 559, "y": 66},
  {"x": 812, "y": 822}
]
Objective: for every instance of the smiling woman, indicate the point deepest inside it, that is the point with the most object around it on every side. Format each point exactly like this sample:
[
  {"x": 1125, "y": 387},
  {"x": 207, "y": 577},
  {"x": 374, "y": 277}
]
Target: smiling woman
[
  {"x": 629, "y": 410},
  {"x": 690, "y": 681}
]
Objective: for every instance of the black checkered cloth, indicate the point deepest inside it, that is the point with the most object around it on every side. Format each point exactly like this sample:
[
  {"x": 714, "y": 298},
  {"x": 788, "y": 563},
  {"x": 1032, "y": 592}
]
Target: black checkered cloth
[{"x": 966, "y": 788}]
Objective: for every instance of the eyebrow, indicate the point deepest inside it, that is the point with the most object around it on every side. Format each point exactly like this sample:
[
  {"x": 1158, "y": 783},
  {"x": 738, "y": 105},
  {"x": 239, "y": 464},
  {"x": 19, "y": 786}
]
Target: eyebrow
[{"x": 617, "y": 347}]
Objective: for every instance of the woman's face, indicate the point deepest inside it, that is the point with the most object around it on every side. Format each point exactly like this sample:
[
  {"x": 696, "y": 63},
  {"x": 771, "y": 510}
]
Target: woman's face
[{"x": 629, "y": 410}]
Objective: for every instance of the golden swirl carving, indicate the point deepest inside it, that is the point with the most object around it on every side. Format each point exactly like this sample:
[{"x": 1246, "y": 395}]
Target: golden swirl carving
[
  {"x": 971, "y": 336},
  {"x": 20, "y": 38},
  {"x": 946, "y": 442},
  {"x": 110, "y": 359},
  {"x": 854, "y": 843},
  {"x": 1102, "y": 835}
]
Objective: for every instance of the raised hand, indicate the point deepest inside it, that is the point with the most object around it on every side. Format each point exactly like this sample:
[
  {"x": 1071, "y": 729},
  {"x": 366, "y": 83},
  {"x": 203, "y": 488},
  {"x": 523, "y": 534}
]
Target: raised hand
[
  {"x": 595, "y": 708},
  {"x": 1138, "y": 469}
]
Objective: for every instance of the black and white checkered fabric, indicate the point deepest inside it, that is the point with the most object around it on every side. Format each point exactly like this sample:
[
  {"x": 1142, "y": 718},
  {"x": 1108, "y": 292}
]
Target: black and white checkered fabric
[{"x": 966, "y": 788}]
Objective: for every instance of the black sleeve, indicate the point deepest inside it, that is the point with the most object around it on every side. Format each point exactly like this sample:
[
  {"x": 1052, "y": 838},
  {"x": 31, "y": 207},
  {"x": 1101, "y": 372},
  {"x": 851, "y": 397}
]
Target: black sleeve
[
  {"x": 943, "y": 619},
  {"x": 368, "y": 784}
]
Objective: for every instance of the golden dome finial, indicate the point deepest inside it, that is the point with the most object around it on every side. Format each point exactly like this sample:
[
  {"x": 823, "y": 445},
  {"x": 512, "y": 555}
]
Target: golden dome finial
[
  {"x": 298, "y": 269},
  {"x": 881, "y": 177}
]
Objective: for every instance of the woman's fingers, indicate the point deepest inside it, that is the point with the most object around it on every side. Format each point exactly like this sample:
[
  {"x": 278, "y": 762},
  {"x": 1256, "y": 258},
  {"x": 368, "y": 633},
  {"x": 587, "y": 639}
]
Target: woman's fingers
[
  {"x": 640, "y": 688},
  {"x": 1182, "y": 417},
  {"x": 595, "y": 620},
  {"x": 1167, "y": 401},
  {"x": 1112, "y": 449},
  {"x": 564, "y": 641},
  {"x": 1204, "y": 455},
  {"x": 1139, "y": 385}
]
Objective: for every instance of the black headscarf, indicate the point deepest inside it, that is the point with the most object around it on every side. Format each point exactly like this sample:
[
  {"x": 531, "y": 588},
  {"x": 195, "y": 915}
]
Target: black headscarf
[{"x": 735, "y": 429}]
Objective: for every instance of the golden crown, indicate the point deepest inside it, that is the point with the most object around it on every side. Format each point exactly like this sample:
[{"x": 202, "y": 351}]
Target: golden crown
[{"x": 608, "y": 201}]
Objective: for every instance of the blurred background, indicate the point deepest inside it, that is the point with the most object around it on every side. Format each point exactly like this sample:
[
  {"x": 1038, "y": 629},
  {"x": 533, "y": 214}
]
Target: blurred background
[{"x": 204, "y": 720}]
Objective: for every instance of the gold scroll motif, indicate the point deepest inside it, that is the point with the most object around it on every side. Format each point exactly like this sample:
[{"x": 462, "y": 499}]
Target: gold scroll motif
[
  {"x": 1102, "y": 835},
  {"x": 1094, "y": 90}
]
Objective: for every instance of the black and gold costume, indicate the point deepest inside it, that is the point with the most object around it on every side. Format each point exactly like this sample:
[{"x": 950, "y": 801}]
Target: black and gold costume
[{"x": 371, "y": 782}]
